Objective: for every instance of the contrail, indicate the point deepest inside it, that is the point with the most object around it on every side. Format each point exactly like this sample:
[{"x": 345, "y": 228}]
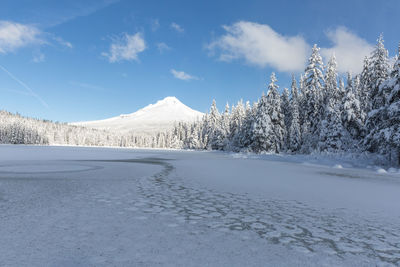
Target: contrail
[{"x": 32, "y": 93}]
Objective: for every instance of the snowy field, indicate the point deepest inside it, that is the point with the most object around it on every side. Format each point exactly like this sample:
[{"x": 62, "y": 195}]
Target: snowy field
[{"x": 69, "y": 206}]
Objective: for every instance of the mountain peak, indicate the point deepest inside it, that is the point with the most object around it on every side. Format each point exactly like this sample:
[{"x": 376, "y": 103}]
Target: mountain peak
[
  {"x": 170, "y": 99},
  {"x": 151, "y": 119}
]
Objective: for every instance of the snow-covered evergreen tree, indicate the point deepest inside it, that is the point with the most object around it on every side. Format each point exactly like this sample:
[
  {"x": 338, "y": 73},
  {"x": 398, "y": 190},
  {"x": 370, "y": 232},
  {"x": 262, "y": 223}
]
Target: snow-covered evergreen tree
[
  {"x": 276, "y": 115},
  {"x": 236, "y": 124},
  {"x": 331, "y": 83},
  {"x": 365, "y": 86},
  {"x": 351, "y": 111},
  {"x": 246, "y": 133},
  {"x": 294, "y": 130},
  {"x": 313, "y": 94},
  {"x": 287, "y": 114},
  {"x": 393, "y": 110},
  {"x": 384, "y": 136},
  {"x": 261, "y": 130},
  {"x": 378, "y": 68},
  {"x": 332, "y": 136},
  {"x": 225, "y": 128},
  {"x": 216, "y": 138}
]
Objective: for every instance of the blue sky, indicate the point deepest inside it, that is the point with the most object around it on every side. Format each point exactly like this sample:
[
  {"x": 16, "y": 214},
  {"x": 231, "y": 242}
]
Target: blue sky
[{"x": 84, "y": 60}]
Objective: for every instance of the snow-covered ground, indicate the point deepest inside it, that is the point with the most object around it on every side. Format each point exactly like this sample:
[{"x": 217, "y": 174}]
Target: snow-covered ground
[{"x": 69, "y": 206}]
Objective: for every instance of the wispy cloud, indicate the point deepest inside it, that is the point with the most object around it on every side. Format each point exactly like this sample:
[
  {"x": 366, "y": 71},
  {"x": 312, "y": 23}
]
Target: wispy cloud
[
  {"x": 175, "y": 26},
  {"x": 62, "y": 42},
  {"x": 87, "y": 86},
  {"x": 348, "y": 48},
  {"x": 15, "y": 35},
  {"x": 70, "y": 10},
  {"x": 126, "y": 48},
  {"x": 260, "y": 45},
  {"x": 163, "y": 47},
  {"x": 25, "y": 93},
  {"x": 28, "y": 89},
  {"x": 38, "y": 57},
  {"x": 181, "y": 75}
]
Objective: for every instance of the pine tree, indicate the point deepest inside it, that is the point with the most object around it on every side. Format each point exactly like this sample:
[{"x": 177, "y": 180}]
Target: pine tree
[
  {"x": 331, "y": 84},
  {"x": 332, "y": 136},
  {"x": 384, "y": 137},
  {"x": 351, "y": 111},
  {"x": 215, "y": 134},
  {"x": 379, "y": 67},
  {"x": 365, "y": 85},
  {"x": 313, "y": 98},
  {"x": 393, "y": 110},
  {"x": 236, "y": 124},
  {"x": 225, "y": 129},
  {"x": 246, "y": 133},
  {"x": 261, "y": 129},
  {"x": 376, "y": 139},
  {"x": 294, "y": 131},
  {"x": 276, "y": 115},
  {"x": 287, "y": 114}
]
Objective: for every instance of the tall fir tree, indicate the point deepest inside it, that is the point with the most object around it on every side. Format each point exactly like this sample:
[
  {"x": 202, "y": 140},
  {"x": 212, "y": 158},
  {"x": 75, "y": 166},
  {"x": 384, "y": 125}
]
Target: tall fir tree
[
  {"x": 332, "y": 137},
  {"x": 351, "y": 111},
  {"x": 384, "y": 136},
  {"x": 365, "y": 86},
  {"x": 287, "y": 114},
  {"x": 276, "y": 115},
  {"x": 236, "y": 124},
  {"x": 246, "y": 132},
  {"x": 379, "y": 72},
  {"x": 215, "y": 133},
  {"x": 331, "y": 82},
  {"x": 294, "y": 130},
  {"x": 225, "y": 129},
  {"x": 313, "y": 93},
  {"x": 393, "y": 103},
  {"x": 261, "y": 129}
]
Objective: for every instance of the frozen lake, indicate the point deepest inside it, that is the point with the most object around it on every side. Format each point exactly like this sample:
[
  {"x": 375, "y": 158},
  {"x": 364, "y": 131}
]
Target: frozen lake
[{"x": 69, "y": 206}]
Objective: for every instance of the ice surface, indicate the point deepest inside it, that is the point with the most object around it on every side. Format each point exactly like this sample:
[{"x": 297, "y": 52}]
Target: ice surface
[{"x": 67, "y": 206}]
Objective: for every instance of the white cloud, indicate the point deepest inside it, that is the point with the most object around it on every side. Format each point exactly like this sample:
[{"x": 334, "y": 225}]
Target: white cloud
[
  {"x": 183, "y": 76},
  {"x": 162, "y": 47},
  {"x": 15, "y": 35},
  {"x": 126, "y": 48},
  {"x": 348, "y": 48},
  {"x": 177, "y": 27},
  {"x": 260, "y": 45}
]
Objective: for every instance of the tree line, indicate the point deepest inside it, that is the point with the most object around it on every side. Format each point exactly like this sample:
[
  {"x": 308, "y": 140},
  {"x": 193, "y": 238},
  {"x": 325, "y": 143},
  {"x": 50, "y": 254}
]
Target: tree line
[
  {"x": 322, "y": 113},
  {"x": 16, "y": 129}
]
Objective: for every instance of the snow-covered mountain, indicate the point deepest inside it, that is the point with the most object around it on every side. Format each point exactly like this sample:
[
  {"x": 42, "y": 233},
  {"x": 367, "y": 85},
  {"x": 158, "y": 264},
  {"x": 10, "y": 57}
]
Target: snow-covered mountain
[{"x": 150, "y": 119}]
